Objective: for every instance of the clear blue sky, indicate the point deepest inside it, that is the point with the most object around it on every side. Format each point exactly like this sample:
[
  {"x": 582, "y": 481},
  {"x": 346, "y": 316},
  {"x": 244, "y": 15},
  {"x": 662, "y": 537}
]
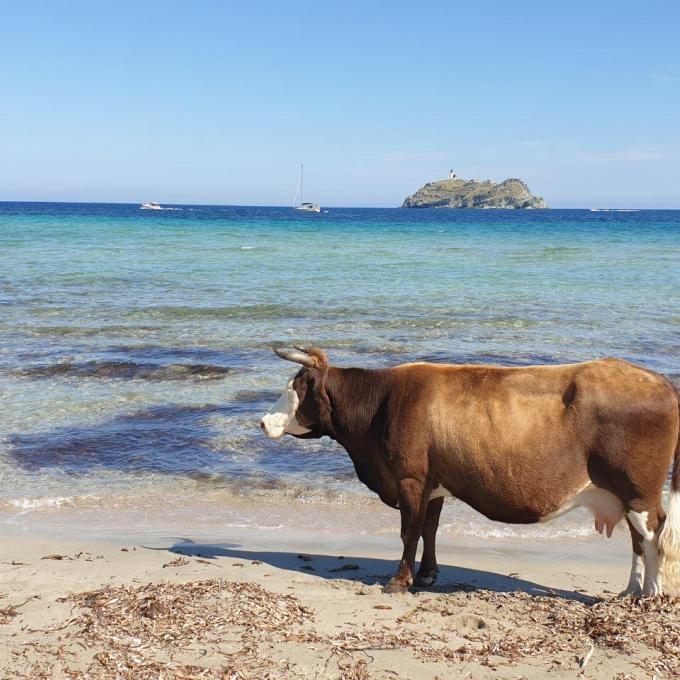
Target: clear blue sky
[{"x": 217, "y": 102}]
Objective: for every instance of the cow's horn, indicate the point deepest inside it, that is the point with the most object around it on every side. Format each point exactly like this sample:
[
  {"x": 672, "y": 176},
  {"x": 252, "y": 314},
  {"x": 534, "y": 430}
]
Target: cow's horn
[{"x": 298, "y": 357}]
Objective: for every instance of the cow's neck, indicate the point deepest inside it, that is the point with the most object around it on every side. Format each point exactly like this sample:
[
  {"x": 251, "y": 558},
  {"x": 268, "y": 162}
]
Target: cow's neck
[{"x": 357, "y": 397}]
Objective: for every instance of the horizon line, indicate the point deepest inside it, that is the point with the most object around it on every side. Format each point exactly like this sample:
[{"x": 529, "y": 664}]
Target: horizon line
[{"x": 334, "y": 207}]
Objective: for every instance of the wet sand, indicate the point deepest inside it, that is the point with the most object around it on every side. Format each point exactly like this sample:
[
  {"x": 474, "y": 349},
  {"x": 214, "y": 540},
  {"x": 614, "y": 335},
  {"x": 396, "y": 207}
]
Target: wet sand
[{"x": 270, "y": 604}]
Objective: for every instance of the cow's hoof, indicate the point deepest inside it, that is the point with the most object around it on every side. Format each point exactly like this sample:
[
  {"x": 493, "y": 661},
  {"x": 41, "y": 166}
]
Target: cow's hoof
[
  {"x": 631, "y": 592},
  {"x": 426, "y": 580},
  {"x": 395, "y": 587}
]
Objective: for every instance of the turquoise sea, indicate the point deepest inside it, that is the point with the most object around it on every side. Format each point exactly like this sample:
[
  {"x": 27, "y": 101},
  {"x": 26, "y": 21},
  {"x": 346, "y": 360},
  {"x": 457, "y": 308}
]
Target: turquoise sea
[{"x": 135, "y": 356}]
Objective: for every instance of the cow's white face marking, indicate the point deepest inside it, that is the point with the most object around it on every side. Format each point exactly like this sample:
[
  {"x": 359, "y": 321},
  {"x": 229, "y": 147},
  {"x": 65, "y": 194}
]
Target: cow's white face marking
[{"x": 281, "y": 420}]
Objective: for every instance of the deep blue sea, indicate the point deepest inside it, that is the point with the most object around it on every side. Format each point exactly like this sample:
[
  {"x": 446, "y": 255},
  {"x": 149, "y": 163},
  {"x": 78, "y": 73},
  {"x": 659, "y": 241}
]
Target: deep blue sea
[{"x": 135, "y": 356}]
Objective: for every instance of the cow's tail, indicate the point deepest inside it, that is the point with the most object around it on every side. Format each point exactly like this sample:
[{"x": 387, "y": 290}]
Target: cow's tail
[{"x": 669, "y": 537}]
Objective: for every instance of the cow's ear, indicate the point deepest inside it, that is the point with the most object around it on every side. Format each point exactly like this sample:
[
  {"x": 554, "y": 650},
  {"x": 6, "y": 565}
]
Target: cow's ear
[{"x": 319, "y": 357}]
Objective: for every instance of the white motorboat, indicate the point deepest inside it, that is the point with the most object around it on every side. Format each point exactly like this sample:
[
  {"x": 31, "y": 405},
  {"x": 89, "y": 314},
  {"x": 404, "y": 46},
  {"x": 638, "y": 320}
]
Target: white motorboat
[
  {"x": 614, "y": 209},
  {"x": 151, "y": 206},
  {"x": 301, "y": 206}
]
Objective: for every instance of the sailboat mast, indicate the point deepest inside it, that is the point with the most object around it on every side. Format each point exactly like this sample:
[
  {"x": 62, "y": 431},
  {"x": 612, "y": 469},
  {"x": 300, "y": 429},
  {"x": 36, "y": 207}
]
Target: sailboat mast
[{"x": 302, "y": 180}]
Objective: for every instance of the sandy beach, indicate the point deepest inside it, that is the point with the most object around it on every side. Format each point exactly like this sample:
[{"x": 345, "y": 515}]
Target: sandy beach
[{"x": 273, "y": 604}]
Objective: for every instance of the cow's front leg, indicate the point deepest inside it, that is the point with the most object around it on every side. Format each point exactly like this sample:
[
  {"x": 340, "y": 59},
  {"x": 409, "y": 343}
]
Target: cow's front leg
[
  {"x": 413, "y": 506},
  {"x": 428, "y": 571}
]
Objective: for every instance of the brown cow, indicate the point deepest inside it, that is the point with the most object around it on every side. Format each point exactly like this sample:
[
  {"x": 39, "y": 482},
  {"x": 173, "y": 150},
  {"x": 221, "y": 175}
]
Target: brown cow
[{"x": 519, "y": 445}]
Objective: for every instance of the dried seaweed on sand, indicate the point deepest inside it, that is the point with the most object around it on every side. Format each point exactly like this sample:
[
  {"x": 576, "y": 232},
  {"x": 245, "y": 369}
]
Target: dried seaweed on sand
[
  {"x": 225, "y": 629},
  {"x": 137, "y": 631}
]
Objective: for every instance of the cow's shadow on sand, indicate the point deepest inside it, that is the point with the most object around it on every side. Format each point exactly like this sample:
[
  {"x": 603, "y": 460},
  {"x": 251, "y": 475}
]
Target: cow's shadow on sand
[{"x": 371, "y": 571}]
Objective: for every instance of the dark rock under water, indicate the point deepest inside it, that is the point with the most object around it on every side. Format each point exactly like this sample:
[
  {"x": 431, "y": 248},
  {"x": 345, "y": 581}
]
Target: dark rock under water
[{"x": 128, "y": 370}]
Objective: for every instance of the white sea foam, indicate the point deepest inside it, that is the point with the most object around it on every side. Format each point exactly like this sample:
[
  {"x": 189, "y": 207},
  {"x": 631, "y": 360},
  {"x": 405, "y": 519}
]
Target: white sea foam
[
  {"x": 261, "y": 527},
  {"x": 511, "y": 531},
  {"x": 33, "y": 503},
  {"x": 26, "y": 503}
]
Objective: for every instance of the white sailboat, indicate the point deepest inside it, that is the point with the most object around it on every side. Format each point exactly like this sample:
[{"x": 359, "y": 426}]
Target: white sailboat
[{"x": 304, "y": 207}]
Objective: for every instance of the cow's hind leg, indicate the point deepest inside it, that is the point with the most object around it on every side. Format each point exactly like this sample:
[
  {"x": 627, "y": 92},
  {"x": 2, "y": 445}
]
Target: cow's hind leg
[
  {"x": 413, "y": 507},
  {"x": 637, "y": 568},
  {"x": 639, "y": 489},
  {"x": 428, "y": 571},
  {"x": 646, "y": 523}
]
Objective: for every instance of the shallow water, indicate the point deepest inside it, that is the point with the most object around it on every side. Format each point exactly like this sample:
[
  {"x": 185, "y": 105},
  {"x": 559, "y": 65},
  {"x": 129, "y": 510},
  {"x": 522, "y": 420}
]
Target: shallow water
[{"x": 134, "y": 345}]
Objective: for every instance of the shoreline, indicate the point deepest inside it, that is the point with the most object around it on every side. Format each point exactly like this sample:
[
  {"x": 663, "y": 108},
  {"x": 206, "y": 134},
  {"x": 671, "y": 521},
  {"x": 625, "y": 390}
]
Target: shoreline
[
  {"x": 217, "y": 512},
  {"x": 547, "y": 558}
]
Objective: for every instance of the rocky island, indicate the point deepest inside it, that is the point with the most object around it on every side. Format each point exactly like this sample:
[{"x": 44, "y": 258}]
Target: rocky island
[{"x": 470, "y": 193}]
